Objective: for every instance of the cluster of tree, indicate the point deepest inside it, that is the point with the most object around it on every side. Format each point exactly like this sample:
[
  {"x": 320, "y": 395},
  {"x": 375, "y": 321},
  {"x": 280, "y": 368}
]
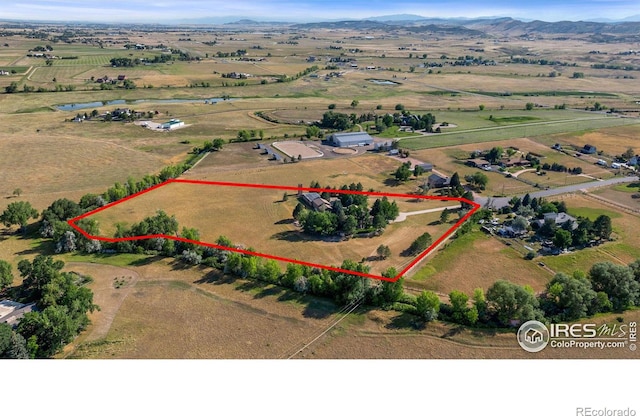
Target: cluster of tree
[
  {"x": 124, "y": 62},
  {"x": 419, "y": 245},
  {"x": 18, "y": 213},
  {"x": 13, "y": 88},
  {"x": 249, "y": 135},
  {"x": 542, "y": 61},
  {"x": 494, "y": 155},
  {"x": 184, "y": 56},
  {"x": 335, "y": 121},
  {"x": 404, "y": 172},
  {"x": 478, "y": 180},
  {"x": 557, "y": 167},
  {"x": 596, "y": 107},
  {"x": 416, "y": 122},
  {"x": 614, "y": 66},
  {"x": 314, "y": 131},
  {"x": 456, "y": 190},
  {"x": 62, "y": 303},
  {"x": 40, "y": 48},
  {"x": 160, "y": 59},
  {"x": 238, "y": 52},
  {"x": 349, "y": 213},
  {"x": 470, "y": 60},
  {"x": 210, "y": 146},
  {"x": 564, "y": 236}
]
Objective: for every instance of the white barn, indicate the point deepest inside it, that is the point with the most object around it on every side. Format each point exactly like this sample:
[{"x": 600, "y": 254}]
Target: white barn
[
  {"x": 350, "y": 139},
  {"x": 174, "y": 123}
]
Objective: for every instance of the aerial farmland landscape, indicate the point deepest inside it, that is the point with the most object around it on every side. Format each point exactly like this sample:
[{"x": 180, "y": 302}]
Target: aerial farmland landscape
[{"x": 338, "y": 186}]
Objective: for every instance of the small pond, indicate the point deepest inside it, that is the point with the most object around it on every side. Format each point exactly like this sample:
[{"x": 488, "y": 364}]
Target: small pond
[{"x": 383, "y": 82}]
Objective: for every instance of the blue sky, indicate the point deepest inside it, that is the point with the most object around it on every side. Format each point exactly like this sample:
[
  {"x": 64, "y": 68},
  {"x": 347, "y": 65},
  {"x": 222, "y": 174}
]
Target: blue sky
[{"x": 310, "y": 10}]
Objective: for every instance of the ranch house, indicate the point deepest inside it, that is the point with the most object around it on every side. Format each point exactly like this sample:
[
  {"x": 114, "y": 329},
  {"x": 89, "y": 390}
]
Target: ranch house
[
  {"x": 559, "y": 218},
  {"x": 350, "y": 139},
  {"x": 437, "y": 181},
  {"x": 478, "y": 163},
  {"x": 314, "y": 201}
]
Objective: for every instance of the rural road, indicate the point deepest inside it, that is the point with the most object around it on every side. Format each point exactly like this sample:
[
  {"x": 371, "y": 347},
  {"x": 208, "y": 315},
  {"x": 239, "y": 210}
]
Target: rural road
[
  {"x": 403, "y": 215},
  {"x": 497, "y": 203}
]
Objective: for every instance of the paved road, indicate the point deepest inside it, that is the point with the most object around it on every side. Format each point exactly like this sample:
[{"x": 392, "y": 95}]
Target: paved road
[{"x": 501, "y": 202}]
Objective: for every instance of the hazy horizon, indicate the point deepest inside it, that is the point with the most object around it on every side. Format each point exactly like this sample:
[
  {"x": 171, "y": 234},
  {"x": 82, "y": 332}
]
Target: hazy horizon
[{"x": 162, "y": 11}]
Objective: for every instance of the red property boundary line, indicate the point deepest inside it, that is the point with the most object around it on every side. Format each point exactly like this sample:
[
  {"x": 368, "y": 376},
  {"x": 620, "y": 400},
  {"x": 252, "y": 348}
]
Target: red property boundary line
[{"x": 72, "y": 223}]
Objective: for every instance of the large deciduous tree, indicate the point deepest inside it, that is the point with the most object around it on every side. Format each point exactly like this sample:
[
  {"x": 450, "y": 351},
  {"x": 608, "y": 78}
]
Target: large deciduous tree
[
  {"x": 618, "y": 282},
  {"x": 420, "y": 244},
  {"x": 6, "y": 277},
  {"x": 18, "y": 213},
  {"x": 508, "y": 301},
  {"x": 602, "y": 227},
  {"x": 569, "y": 298},
  {"x": 428, "y": 305}
]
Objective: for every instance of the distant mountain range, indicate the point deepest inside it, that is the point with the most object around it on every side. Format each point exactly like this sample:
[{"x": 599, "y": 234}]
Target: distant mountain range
[{"x": 600, "y": 30}]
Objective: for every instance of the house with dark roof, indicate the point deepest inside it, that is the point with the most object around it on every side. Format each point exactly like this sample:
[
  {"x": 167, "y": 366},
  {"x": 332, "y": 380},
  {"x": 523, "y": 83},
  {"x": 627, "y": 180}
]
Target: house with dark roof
[
  {"x": 314, "y": 201},
  {"x": 516, "y": 161},
  {"x": 478, "y": 163},
  {"x": 350, "y": 139},
  {"x": 437, "y": 181},
  {"x": 589, "y": 149}
]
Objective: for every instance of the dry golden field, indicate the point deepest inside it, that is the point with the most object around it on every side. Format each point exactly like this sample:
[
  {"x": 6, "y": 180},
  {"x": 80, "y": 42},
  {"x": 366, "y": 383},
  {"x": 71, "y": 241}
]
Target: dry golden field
[
  {"x": 259, "y": 219},
  {"x": 213, "y": 317}
]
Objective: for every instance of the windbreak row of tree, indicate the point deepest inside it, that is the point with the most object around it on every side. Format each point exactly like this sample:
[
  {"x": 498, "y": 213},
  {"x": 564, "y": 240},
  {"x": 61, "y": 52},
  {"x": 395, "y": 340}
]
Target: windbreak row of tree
[
  {"x": 62, "y": 303},
  {"x": 341, "y": 121},
  {"x": 125, "y": 62},
  {"x": 307, "y": 71},
  {"x": 14, "y": 88}
]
